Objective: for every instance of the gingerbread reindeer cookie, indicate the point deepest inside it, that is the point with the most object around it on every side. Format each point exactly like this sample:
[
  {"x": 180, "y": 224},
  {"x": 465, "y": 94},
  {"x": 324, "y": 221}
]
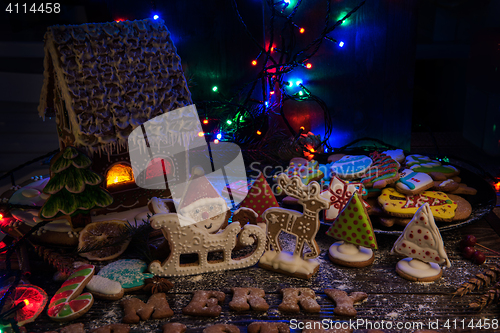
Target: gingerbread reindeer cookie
[{"x": 303, "y": 225}]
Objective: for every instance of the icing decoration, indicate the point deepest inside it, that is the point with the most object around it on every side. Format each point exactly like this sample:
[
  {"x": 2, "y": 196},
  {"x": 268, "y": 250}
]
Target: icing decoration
[
  {"x": 260, "y": 197},
  {"x": 420, "y": 163},
  {"x": 353, "y": 225},
  {"x": 190, "y": 239},
  {"x": 303, "y": 225},
  {"x": 128, "y": 272},
  {"x": 383, "y": 171},
  {"x": 446, "y": 182},
  {"x": 411, "y": 180},
  {"x": 338, "y": 193},
  {"x": 351, "y": 166},
  {"x": 307, "y": 172},
  {"x": 417, "y": 268},
  {"x": 350, "y": 252},
  {"x": 104, "y": 285},
  {"x": 421, "y": 239},
  {"x": 397, "y": 154},
  {"x": 394, "y": 202},
  {"x": 35, "y": 300},
  {"x": 67, "y": 303}
]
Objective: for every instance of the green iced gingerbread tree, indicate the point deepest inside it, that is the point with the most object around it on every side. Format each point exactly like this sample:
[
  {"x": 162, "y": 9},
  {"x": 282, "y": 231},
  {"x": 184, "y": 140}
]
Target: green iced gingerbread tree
[{"x": 74, "y": 189}]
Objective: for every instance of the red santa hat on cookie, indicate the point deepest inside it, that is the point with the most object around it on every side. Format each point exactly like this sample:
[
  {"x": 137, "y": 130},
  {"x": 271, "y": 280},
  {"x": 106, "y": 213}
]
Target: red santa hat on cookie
[{"x": 200, "y": 192}]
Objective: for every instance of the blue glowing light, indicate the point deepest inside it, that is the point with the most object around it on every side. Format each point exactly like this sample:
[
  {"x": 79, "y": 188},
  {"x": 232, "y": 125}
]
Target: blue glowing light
[
  {"x": 298, "y": 83},
  {"x": 156, "y": 17},
  {"x": 219, "y": 136},
  {"x": 341, "y": 44}
]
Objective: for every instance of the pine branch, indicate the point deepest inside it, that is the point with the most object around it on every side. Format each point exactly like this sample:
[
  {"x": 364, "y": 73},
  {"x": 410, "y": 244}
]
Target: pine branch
[
  {"x": 491, "y": 275},
  {"x": 140, "y": 238}
]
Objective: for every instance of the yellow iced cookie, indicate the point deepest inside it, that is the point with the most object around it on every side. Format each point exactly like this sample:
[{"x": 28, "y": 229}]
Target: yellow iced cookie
[{"x": 397, "y": 204}]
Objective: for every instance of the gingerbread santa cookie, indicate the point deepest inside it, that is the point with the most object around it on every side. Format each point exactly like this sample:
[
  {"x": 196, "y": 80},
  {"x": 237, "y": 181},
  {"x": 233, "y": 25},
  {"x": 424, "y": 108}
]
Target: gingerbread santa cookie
[
  {"x": 422, "y": 243},
  {"x": 303, "y": 225},
  {"x": 354, "y": 228}
]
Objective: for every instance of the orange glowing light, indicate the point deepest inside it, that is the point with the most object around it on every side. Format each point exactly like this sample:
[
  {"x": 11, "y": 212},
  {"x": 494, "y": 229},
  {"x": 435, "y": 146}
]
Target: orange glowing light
[
  {"x": 205, "y": 121},
  {"x": 301, "y": 30},
  {"x": 302, "y": 128},
  {"x": 254, "y": 62},
  {"x": 272, "y": 92},
  {"x": 216, "y": 141},
  {"x": 309, "y": 65},
  {"x": 1, "y": 216},
  {"x": 119, "y": 20},
  {"x": 119, "y": 174},
  {"x": 497, "y": 186},
  {"x": 26, "y": 302},
  {"x": 200, "y": 134},
  {"x": 259, "y": 132}
]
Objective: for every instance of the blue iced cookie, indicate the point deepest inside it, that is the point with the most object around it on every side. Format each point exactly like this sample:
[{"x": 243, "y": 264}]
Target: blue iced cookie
[{"x": 350, "y": 166}]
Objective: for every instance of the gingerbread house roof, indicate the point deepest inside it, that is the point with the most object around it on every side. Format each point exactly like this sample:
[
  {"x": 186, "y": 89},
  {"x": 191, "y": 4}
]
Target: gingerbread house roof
[{"x": 110, "y": 78}]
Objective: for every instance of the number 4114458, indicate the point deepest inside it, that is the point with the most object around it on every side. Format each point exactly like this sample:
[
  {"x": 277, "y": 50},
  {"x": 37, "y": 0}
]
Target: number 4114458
[{"x": 26, "y": 8}]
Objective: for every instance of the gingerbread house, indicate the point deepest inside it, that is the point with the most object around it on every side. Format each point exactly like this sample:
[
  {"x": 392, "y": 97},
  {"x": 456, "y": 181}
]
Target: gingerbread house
[{"x": 103, "y": 80}]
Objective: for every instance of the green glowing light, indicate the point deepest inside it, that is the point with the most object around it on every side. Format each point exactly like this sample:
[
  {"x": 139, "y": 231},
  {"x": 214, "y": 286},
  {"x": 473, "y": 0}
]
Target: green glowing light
[
  {"x": 229, "y": 122},
  {"x": 214, "y": 88}
]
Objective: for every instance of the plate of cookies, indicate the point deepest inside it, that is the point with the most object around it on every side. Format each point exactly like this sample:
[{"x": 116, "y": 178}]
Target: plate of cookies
[{"x": 394, "y": 186}]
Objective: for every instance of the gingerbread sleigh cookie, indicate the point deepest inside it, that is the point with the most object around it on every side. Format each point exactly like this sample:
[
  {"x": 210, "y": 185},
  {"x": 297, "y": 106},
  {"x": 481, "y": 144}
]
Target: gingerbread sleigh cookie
[
  {"x": 400, "y": 205},
  {"x": 303, "y": 225}
]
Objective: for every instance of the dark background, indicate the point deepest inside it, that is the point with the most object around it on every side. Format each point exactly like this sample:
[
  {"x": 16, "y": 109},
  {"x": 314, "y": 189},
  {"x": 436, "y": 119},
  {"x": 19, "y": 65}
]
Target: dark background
[{"x": 407, "y": 67}]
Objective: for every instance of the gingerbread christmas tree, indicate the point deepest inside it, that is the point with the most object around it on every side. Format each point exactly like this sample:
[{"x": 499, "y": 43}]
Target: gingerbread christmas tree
[
  {"x": 353, "y": 225},
  {"x": 260, "y": 197},
  {"x": 421, "y": 239}
]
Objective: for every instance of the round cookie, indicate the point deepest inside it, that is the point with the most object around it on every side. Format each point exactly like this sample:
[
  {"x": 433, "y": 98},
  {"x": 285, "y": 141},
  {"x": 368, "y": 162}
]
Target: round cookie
[
  {"x": 362, "y": 258},
  {"x": 464, "y": 208},
  {"x": 350, "y": 166},
  {"x": 405, "y": 270}
]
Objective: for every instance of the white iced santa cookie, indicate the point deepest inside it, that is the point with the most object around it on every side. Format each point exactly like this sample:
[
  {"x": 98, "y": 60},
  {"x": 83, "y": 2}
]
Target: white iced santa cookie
[
  {"x": 422, "y": 243},
  {"x": 105, "y": 288},
  {"x": 202, "y": 204}
]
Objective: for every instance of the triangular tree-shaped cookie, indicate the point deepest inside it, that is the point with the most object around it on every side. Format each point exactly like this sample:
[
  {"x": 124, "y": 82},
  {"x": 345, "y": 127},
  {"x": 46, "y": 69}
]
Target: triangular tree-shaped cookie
[
  {"x": 421, "y": 239},
  {"x": 353, "y": 224},
  {"x": 260, "y": 197}
]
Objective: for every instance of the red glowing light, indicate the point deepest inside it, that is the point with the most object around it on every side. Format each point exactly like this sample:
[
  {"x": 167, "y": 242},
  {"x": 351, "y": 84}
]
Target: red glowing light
[
  {"x": 119, "y": 20},
  {"x": 216, "y": 141},
  {"x": 272, "y": 93},
  {"x": 301, "y": 30},
  {"x": 309, "y": 65},
  {"x": 205, "y": 121},
  {"x": 259, "y": 132},
  {"x": 254, "y": 62}
]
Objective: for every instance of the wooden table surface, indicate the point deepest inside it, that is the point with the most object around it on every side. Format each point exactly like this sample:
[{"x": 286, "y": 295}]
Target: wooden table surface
[{"x": 391, "y": 298}]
